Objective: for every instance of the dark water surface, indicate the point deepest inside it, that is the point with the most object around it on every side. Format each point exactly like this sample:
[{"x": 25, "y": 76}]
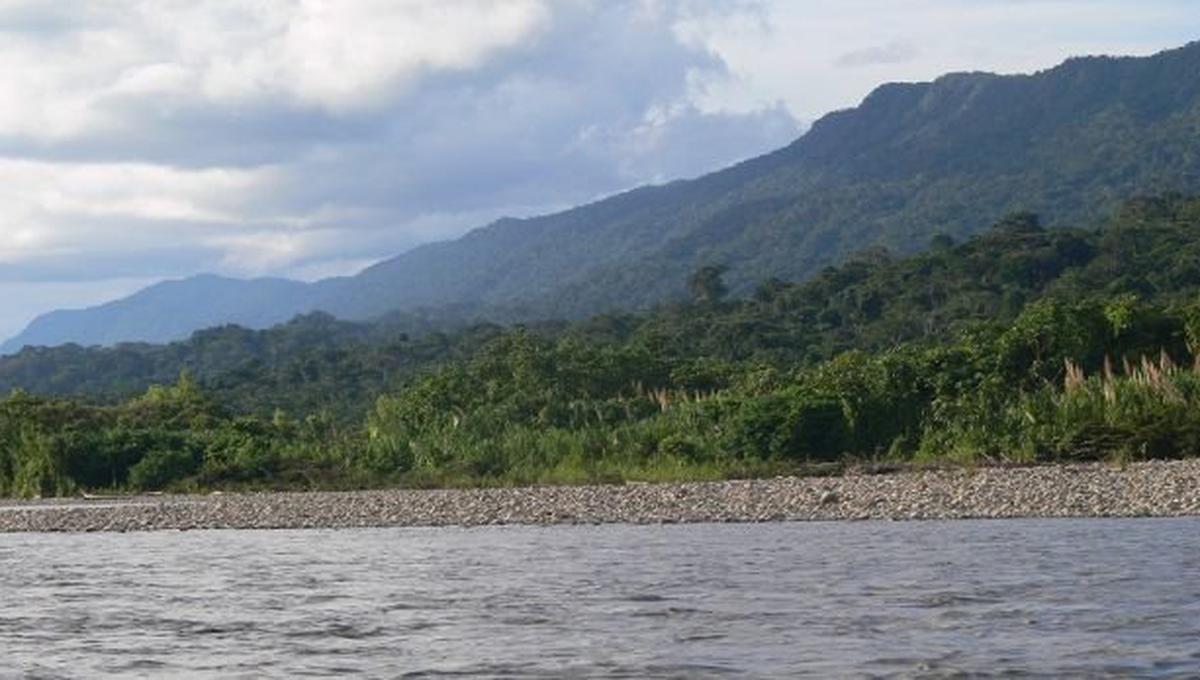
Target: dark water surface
[{"x": 1050, "y": 598}]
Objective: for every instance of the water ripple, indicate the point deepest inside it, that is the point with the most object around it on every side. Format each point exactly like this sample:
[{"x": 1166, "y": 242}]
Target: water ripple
[{"x": 1037, "y": 598}]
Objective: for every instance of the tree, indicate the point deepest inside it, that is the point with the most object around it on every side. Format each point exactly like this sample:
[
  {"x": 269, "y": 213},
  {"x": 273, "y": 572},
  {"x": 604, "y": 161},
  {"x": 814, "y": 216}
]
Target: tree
[
  {"x": 707, "y": 284},
  {"x": 941, "y": 242},
  {"x": 1023, "y": 222},
  {"x": 769, "y": 290}
]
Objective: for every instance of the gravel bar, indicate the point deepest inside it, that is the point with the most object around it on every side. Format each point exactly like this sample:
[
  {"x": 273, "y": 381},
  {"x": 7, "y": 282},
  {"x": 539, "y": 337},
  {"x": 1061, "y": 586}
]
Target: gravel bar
[{"x": 1151, "y": 489}]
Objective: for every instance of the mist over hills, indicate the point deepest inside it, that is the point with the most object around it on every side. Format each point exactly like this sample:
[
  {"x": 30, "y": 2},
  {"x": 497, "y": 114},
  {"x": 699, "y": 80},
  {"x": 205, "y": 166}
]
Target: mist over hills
[{"x": 912, "y": 161}]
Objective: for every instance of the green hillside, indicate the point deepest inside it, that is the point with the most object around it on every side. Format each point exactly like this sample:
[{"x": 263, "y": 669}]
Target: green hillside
[
  {"x": 1149, "y": 249},
  {"x": 912, "y": 161}
]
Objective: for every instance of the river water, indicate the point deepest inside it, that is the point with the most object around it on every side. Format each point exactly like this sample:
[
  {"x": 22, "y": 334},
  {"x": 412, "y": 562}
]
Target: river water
[{"x": 1053, "y": 598}]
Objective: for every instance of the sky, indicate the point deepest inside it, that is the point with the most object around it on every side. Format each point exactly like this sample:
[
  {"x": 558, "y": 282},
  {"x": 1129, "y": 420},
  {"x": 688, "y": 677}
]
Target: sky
[{"x": 150, "y": 139}]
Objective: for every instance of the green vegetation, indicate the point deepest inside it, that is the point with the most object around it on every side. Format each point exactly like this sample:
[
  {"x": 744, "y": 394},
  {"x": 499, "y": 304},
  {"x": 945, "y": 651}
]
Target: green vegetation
[
  {"x": 314, "y": 363},
  {"x": 1023, "y": 344}
]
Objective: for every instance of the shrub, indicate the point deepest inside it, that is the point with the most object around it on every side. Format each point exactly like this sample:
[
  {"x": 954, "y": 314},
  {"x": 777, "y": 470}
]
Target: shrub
[
  {"x": 159, "y": 469},
  {"x": 788, "y": 425}
]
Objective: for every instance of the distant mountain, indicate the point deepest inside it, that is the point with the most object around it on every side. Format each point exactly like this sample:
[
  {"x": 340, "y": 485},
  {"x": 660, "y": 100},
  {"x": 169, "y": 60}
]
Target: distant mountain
[
  {"x": 171, "y": 310},
  {"x": 912, "y": 161}
]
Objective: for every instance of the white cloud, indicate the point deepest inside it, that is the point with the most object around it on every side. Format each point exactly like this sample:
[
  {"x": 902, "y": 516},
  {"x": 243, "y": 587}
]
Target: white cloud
[
  {"x": 345, "y": 55},
  {"x": 64, "y": 82},
  {"x": 270, "y": 250},
  {"x": 55, "y": 209}
]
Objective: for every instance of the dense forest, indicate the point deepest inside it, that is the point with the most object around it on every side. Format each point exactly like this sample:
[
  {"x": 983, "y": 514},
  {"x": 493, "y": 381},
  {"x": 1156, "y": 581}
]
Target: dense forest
[{"x": 1022, "y": 344}]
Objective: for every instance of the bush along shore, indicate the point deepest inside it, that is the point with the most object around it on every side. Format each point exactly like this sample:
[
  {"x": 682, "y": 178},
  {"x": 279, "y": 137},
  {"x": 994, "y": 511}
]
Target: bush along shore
[
  {"x": 1026, "y": 345},
  {"x": 1153, "y": 489}
]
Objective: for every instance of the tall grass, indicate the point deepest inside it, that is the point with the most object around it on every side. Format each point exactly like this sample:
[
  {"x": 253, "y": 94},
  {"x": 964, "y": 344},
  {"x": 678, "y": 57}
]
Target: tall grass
[{"x": 1149, "y": 408}]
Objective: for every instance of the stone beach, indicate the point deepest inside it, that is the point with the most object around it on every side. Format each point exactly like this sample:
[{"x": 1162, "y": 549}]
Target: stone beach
[{"x": 1149, "y": 489}]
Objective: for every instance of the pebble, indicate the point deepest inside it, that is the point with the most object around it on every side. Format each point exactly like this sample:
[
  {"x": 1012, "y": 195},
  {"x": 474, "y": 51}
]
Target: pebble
[{"x": 1158, "y": 489}]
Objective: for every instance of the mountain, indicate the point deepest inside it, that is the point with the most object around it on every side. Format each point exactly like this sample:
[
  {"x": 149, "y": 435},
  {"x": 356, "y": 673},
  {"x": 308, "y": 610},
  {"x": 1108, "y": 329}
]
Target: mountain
[
  {"x": 171, "y": 310},
  {"x": 913, "y": 161}
]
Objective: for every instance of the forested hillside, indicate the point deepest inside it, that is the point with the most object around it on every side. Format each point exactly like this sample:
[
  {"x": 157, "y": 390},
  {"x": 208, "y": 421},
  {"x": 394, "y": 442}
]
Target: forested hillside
[
  {"x": 1150, "y": 249},
  {"x": 1021, "y": 344},
  {"x": 911, "y": 162}
]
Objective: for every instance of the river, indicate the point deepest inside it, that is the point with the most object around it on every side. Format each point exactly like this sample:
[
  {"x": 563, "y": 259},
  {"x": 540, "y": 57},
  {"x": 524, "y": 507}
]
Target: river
[{"x": 1052, "y": 598}]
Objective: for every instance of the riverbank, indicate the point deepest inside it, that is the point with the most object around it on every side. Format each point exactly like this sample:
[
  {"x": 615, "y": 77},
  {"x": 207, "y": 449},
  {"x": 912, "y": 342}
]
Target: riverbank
[{"x": 1150, "y": 489}]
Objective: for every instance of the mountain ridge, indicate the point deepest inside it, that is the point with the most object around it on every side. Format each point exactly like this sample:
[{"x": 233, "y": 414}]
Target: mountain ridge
[
  {"x": 913, "y": 160},
  {"x": 245, "y": 302}
]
